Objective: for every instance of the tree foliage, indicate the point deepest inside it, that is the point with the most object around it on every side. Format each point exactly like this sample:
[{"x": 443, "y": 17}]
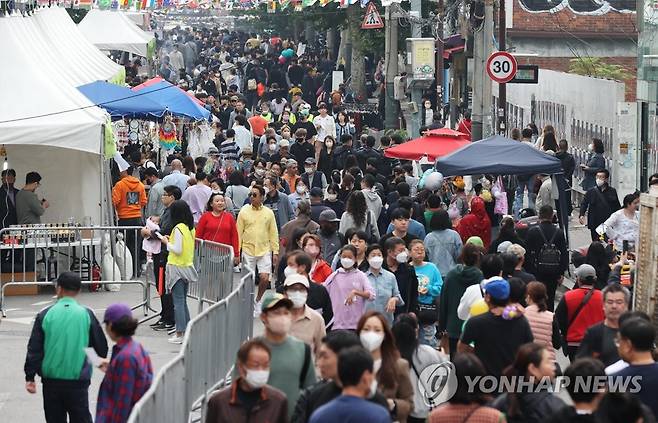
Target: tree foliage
[{"x": 596, "y": 68}]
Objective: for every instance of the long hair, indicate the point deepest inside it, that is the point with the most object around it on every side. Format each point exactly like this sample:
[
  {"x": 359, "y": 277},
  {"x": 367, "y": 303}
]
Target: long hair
[
  {"x": 526, "y": 355},
  {"x": 537, "y": 293},
  {"x": 404, "y": 330},
  {"x": 181, "y": 213},
  {"x": 356, "y": 206},
  {"x": 390, "y": 354}
]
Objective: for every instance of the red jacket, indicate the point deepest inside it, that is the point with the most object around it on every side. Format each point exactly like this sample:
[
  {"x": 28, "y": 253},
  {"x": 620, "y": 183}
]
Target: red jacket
[
  {"x": 321, "y": 272},
  {"x": 222, "y": 229}
]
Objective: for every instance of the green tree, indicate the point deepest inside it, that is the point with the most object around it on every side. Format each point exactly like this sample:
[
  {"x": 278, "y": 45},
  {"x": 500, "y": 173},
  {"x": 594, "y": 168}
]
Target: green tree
[{"x": 596, "y": 68}]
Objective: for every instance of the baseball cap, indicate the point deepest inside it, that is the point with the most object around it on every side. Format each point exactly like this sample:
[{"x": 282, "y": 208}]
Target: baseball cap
[
  {"x": 295, "y": 279},
  {"x": 475, "y": 240},
  {"x": 503, "y": 246},
  {"x": 271, "y": 301},
  {"x": 213, "y": 150},
  {"x": 586, "y": 273},
  {"x": 517, "y": 250},
  {"x": 284, "y": 143},
  {"x": 498, "y": 288},
  {"x": 309, "y": 161},
  {"x": 116, "y": 312},
  {"x": 316, "y": 192},
  {"x": 329, "y": 216}
]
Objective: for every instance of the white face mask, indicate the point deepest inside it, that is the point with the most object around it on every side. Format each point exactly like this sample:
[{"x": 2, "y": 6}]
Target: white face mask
[
  {"x": 267, "y": 190},
  {"x": 373, "y": 387},
  {"x": 402, "y": 257},
  {"x": 371, "y": 340},
  {"x": 279, "y": 325},
  {"x": 298, "y": 298},
  {"x": 259, "y": 172},
  {"x": 332, "y": 197},
  {"x": 308, "y": 169},
  {"x": 272, "y": 147},
  {"x": 300, "y": 189},
  {"x": 600, "y": 182},
  {"x": 257, "y": 378},
  {"x": 347, "y": 263},
  {"x": 590, "y": 147},
  {"x": 376, "y": 262},
  {"x": 289, "y": 271}
]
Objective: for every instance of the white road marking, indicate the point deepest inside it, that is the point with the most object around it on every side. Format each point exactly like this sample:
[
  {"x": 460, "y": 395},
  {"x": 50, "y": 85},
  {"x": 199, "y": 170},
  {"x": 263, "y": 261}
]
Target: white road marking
[
  {"x": 40, "y": 303},
  {"x": 20, "y": 320}
]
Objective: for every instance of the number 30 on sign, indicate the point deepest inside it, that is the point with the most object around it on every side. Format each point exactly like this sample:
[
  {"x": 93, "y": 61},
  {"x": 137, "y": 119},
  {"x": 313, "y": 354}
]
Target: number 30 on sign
[{"x": 501, "y": 67}]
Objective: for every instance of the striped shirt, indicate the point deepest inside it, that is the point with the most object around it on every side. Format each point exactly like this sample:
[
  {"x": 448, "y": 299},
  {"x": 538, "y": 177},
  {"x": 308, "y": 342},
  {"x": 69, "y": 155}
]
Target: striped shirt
[{"x": 229, "y": 150}]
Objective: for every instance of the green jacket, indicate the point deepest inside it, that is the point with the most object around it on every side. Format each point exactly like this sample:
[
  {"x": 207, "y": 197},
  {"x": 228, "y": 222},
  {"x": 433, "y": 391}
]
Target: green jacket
[
  {"x": 454, "y": 285},
  {"x": 60, "y": 334}
]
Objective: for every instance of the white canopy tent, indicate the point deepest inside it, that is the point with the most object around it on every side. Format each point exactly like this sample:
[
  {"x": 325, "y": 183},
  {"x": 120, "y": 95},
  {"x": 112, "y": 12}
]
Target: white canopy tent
[
  {"x": 113, "y": 30},
  {"x": 48, "y": 126},
  {"x": 81, "y": 57}
]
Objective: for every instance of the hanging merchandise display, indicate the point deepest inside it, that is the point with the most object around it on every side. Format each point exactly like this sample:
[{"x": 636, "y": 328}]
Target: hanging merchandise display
[{"x": 167, "y": 134}]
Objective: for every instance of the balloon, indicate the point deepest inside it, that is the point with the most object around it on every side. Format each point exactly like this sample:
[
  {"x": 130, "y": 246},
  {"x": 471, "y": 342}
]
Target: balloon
[
  {"x": 282, "y": 60},
  {"x": 287, "y": 53},
  {"x": 433, "y": 181},
  {"x": 479, "y": 307}
]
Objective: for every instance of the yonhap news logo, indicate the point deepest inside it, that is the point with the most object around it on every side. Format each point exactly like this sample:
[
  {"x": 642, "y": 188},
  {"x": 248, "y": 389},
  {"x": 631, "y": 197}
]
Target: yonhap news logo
[{"x": 437, "y": 383}]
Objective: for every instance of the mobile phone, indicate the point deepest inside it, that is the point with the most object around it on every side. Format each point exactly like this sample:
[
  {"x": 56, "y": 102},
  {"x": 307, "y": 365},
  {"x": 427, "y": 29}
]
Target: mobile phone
[
  {"x": 624, "y": 247},
  {"x": 158, "y": 234}
]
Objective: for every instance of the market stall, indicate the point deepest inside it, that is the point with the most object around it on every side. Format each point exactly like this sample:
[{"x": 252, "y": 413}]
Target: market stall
[
  {"x": 121, "y": 102},
  {"x": 431, "y": 146},
  {"x": 113, "y": 30},
  {"x": 48, "y": 126}
]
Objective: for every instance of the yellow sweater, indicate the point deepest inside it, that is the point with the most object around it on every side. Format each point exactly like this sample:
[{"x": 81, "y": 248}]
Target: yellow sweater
[{"x": 257, "y": 231}]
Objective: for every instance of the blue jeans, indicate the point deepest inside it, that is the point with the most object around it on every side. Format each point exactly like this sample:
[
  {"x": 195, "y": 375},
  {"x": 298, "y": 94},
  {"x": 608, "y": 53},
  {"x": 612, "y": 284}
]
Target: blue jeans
[
  {"x": 181, "y": 312},
  {"x": 518, "y": 196},
  {"x": 428, "y": 335}
]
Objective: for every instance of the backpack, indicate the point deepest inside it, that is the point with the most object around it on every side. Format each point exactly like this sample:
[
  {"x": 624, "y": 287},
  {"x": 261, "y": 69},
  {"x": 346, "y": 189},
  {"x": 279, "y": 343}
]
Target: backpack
[{"x": 548, "y": 258}]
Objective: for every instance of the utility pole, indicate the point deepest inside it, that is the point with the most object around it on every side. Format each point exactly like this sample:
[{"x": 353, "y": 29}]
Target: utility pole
[
  {"x": 502, "y": 88},
  {"x": 481, "y": 115},
  {"x": 416, "y": 92},
  {"x": 391, "y": 65},
  {"x": 439, "y": 61}
]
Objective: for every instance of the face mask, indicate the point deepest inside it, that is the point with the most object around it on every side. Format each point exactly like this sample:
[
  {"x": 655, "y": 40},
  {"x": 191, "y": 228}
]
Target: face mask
[
  {"x": 272, "y": 147},
  {"x": 600, "y": 182},
  {"x": 332, "y": 197},
  {"x": 313, "y": 251},
  {"x": 590, "y": 148},
  {"x": 308, "y": 169},
  {"x": 300, "y": 189},
  {"x": 376, "y": 262},
  {"x": 298, "y": 298},
  {"x": 346, "y": 262},
  {"x": 329, "y": 144},
  {"x": 279, "y": 325},
  {"x": 260, "y": 172},
  {"x": 267, "y": 190},
  {"x": 288, "y": 271},
  {"x": 371, "y": 340},
  {"x": 257, "y": 378},
  {"x": 402, "y": 257},
  {"x": 304, "y": 113},
  {"x": 373, "y": 387}
]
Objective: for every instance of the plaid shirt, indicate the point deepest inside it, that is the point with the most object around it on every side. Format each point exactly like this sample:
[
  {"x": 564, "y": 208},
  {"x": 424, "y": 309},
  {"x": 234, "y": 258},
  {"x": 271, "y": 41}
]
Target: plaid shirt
[{"x": 128, "y": 377}]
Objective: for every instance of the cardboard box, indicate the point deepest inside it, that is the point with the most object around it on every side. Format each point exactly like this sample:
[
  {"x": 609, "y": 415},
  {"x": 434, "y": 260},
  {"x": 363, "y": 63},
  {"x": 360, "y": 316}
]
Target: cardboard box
[{"x": 19, "y": 290}]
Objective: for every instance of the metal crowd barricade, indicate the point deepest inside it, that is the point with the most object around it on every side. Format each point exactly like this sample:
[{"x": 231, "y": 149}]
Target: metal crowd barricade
[
  {"x": 214, "y": 265},
  {"x": 33, "y": 255},
  {"x": 205, "y": 362}
]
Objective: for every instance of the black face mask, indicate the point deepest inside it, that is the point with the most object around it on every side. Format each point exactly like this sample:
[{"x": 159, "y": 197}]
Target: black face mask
[{"x": 328, "y": 230}]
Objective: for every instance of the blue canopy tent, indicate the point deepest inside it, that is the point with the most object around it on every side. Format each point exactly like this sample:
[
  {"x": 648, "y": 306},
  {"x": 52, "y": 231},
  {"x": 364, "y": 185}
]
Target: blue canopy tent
[
  {"x": 498, "y": 155},
  {"x": 121, "y": 102},
  {"x": 177, "y": 101}
]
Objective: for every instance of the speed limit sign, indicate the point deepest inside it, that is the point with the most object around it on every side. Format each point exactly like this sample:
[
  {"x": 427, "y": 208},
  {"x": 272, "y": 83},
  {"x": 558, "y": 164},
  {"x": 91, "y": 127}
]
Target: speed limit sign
[{"x": 501, "y": 67}]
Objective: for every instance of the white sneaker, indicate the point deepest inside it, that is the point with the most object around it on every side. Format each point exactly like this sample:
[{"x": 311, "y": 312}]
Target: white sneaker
[
  {"x": 171, "y": 331},
  {"x": 237, "y": 269},
  {"x": 175, "y": 339}
]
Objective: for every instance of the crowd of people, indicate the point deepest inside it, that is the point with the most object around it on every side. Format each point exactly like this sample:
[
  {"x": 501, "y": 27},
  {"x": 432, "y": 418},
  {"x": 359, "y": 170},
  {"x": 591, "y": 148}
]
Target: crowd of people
[{"x": 368, "y": 272}]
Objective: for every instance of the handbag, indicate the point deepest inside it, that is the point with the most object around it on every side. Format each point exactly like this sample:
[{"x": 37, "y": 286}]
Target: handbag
[{"x": 252, "y": 84}]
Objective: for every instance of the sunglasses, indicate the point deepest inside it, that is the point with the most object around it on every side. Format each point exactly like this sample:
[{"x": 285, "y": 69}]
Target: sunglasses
[{"x": 253, "y": 194}]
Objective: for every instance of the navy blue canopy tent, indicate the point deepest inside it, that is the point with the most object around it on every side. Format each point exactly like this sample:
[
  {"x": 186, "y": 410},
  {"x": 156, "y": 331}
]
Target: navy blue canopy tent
[
  {"x": 178, "y": 102},
  {"x": 121, "y": 102},
  {"x": 498, "y": 155}
]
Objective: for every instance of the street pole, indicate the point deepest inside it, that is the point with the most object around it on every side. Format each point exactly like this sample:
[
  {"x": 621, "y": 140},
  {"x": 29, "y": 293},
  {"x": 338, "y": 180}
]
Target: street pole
[
  {"x": 481, "y": 115},
  {"x": 502, "y": 88},
  {"x": 439, "y": 61},
  {"x": 416, "y": 93},
  {"x": 391, "y": 65}
]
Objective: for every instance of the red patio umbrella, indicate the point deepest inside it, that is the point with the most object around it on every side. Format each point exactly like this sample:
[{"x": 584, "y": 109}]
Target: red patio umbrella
[
  {"x": 447, "y": 132},
  {"x": 157, "y": 79},
  {"x": 431, "y": 146}
]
